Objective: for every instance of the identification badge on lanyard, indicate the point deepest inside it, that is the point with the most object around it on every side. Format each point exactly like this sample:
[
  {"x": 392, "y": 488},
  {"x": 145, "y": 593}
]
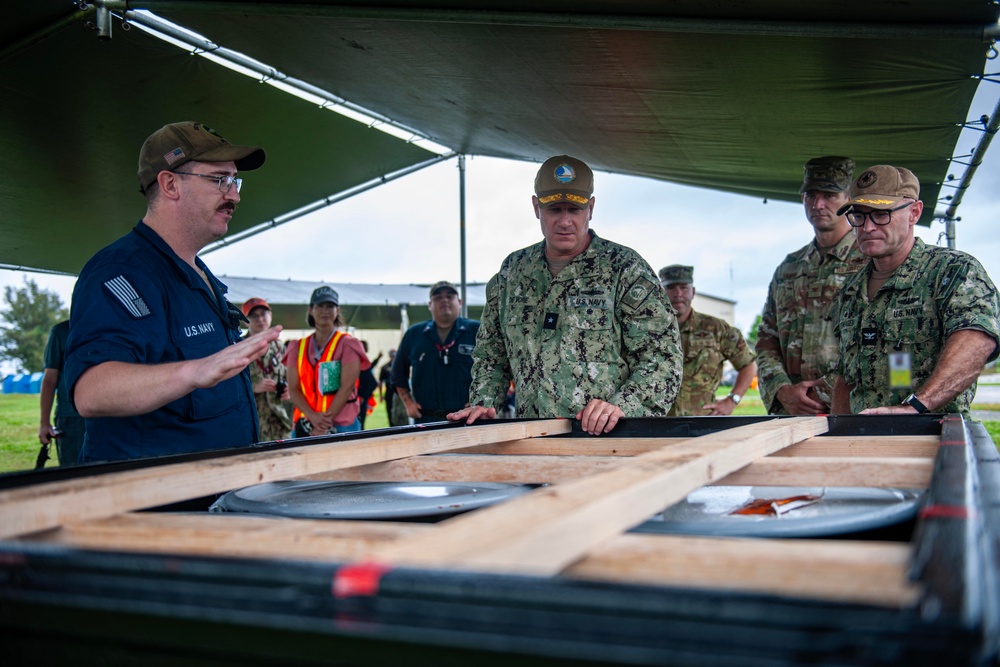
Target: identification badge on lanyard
[
  {"x": 900, "y": 370},
  {"x": 329, "y": 377},
  {"x": 444, "y": 351}
]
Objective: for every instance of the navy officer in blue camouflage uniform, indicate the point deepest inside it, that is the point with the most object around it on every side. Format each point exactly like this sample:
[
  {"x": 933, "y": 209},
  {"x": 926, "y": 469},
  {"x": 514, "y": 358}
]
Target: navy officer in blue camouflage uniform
[
  {"x": 439, "y": 354},
  {"x": 155, "y": 361}
]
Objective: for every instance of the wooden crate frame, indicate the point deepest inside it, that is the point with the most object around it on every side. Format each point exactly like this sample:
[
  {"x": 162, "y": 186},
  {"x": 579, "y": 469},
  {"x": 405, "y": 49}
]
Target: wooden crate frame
[
  {"x": 551, "y": 575},
  {"x": 575, "y": 527}
]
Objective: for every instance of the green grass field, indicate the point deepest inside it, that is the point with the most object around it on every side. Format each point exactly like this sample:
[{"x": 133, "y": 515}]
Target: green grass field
[
  {"x": 19, "y": 415},
  {"x": 19, "y": 426}
]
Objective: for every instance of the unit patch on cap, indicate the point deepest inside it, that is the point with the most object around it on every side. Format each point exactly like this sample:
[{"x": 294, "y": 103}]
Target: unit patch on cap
[
  {"x": 564, "y": 173},
  {"x": 122, "y": 290},
  {"x": 867, "y": 179}
]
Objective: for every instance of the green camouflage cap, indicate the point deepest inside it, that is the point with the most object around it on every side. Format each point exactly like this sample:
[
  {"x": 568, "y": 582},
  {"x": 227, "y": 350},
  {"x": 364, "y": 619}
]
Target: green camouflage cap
[
  {"x": 562, "y": 178},
  {"x": 827, "y": 174},
  {"x": 676, "y": 273},
  {"x": 442, "y": 285},
  {"x": 882, "y": 186}
]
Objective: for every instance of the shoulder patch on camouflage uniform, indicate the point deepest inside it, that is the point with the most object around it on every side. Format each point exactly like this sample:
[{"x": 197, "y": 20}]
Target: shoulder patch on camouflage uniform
[
  {"x": 637, "y": 294},
  {"x": 493, "y": 288}
]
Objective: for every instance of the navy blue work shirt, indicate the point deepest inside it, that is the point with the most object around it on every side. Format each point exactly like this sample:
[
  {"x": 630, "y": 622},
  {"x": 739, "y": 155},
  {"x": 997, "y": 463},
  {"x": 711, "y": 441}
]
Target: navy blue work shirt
[
  {"x": 437, "y": 386},
  {"x": 55, "y": 357},
  {"x": 136, "y": 301}
]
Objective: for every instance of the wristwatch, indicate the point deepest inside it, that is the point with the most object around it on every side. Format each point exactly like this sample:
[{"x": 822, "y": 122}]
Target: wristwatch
[
  {"x": 736, "y": 398},
  {"x": 913, "y": 401}
]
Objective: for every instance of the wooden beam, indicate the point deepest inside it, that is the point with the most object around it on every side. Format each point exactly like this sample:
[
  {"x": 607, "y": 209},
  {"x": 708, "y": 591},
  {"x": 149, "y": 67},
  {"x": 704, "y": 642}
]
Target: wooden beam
[
  {"x": 834, "y": 471},
  {"x": 231, "y": 535},
  {"x": 588, "y": 446},
  {"x": 847, "y": 571},
  {"x": 477, "y": 468},
  {"x": 544, "y": 531},
  {"x": 861, "y": 572},
  {"x": 907, "y": 446},
  {"x": 43, "y": 506},
  {"x": 769, "y": 471}
]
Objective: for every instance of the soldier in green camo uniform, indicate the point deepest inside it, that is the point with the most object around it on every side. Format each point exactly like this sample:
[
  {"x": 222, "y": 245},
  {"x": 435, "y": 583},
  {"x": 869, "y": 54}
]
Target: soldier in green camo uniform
[
  {"x": 707, "y": 342},
  {"x": 267, "y": 375},
  {"x": 578, "y": 323},
  {"x": 796, "y": 349},
  {"x": 919, "y": 323}
]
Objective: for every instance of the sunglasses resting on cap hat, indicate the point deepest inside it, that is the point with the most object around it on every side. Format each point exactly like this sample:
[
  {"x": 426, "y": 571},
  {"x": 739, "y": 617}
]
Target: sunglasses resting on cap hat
[{"x": 178, "y": 143}]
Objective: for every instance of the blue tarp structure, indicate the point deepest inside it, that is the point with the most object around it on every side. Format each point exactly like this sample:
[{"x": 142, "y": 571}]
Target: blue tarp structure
[{"x": 23, "y": 383}]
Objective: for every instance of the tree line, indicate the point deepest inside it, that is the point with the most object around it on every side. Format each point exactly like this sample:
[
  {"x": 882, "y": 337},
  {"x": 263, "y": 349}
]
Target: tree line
[{"x": 29, "y": 314}]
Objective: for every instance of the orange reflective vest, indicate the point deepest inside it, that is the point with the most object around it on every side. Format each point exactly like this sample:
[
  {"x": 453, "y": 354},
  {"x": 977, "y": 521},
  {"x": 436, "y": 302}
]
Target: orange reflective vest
[{"x": 309, "y": 378}]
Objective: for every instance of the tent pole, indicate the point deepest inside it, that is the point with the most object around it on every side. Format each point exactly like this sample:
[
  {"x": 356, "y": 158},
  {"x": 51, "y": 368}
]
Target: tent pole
[
  {"x": 991, "y": 125},
  {"x": 461, "y": 230}
]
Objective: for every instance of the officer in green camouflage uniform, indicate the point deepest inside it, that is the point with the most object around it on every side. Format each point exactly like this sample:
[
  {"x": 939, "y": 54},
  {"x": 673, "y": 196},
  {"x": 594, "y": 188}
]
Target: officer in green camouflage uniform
[
  {"x": 267, "y": 375},
  {"x": 579, "y": 323},
  {"x": 707, "y": 342},
  {"x": 919, "y": 323},
  {"x": 796, "y": 349}
]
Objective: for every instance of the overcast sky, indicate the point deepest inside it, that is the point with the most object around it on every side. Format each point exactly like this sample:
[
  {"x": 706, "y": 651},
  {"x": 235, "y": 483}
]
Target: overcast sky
[{"x": 407, "y": 231}]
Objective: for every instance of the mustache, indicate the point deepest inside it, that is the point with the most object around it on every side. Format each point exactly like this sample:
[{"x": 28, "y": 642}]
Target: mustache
[{"x": 228, "y": 206}]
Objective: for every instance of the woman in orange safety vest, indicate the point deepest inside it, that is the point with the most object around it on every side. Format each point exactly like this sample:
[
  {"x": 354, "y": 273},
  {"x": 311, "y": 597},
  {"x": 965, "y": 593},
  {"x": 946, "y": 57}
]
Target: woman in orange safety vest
[{"x": 323, "y": 370}]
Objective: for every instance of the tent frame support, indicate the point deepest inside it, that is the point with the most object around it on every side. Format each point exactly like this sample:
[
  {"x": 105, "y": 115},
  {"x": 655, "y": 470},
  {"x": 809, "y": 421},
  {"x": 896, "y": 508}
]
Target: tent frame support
[
  {"x": 847, "y": 30},
  {"x": 990, "y": 127}
]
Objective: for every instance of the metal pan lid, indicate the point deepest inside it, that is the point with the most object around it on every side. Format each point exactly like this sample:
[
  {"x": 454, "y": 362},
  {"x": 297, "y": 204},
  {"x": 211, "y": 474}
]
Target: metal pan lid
[{"x": 365, "y": 500}]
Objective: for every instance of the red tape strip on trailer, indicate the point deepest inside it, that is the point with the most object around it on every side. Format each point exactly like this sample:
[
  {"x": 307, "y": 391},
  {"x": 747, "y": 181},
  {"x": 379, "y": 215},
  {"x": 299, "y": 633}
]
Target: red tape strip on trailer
[
  {"x": 358, "y": 580},
  {"x": 945, "y": 512}
]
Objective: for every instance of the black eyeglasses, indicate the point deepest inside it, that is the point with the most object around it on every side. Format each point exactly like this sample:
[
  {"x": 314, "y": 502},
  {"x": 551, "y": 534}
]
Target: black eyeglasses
[
  {"x": 880, "y": 216},
  {"x": 225, "y": 183}
]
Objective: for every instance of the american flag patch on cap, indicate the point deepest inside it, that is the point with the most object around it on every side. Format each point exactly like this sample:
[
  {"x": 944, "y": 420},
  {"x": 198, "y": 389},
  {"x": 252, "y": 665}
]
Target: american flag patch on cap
[
  {"x": 173, "y": 156},
  {"x": 122, "y": 290}
]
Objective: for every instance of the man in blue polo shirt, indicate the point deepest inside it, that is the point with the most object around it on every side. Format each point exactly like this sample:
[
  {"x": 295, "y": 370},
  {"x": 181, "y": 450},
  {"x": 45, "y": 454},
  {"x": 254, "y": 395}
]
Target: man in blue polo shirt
[
  {"x": 439, "y": 353},
  {"x": 155, "y": 361}
]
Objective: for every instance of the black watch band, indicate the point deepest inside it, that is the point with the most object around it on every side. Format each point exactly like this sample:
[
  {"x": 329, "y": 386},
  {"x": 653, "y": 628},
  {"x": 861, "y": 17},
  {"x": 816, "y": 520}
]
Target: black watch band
[{"x": 913, "y": 401}]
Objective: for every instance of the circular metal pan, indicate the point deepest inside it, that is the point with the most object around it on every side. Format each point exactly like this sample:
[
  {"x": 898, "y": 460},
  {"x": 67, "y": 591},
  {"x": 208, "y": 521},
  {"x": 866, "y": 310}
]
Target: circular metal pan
[
  {"x": 365, "y": 500},
  {"x": 820, "y": 511}
]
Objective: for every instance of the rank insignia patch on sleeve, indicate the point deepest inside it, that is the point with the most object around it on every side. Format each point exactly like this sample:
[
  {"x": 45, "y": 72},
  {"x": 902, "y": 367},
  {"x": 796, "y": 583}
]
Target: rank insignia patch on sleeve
[{"x": 127, "y": 296}]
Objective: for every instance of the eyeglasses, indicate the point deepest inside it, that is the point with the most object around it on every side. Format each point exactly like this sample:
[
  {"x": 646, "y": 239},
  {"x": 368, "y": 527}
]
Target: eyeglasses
[
  {"x": 880, "y": 217},
  {"x": 225, "y": 183}
]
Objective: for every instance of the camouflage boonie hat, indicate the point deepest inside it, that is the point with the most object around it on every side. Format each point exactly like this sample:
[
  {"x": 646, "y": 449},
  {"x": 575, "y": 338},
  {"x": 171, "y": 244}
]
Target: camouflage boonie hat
[
  {"x": 562, "y": 178},
  {"x": 676, "y": 273},
  {"x": 827, "y": 174},
  {"x": 882, "y": 186}
]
